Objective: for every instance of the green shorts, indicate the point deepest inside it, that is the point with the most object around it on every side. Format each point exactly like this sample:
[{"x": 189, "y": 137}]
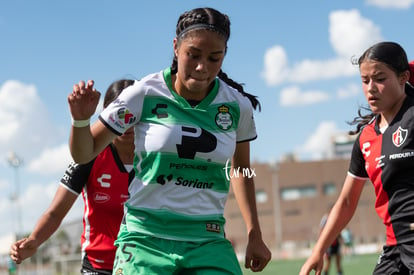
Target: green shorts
[{"x": 141, "y": 254}]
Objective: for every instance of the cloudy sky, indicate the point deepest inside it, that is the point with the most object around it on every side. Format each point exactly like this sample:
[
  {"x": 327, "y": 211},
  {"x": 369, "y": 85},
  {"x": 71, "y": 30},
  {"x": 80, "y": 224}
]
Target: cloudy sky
[{"x": 294, "y": 55}]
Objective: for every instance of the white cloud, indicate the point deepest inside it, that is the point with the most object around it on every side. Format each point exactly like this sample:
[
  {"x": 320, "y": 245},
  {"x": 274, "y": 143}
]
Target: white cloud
[
  {"x": 275, "y": 66},
  {"x": 309, "y": 70},
  {"x": 318, "y": 145},
  {"x": 4, "y": 184},
  {"x": 277, "y": 72},
  {"x": 55, "y": 159},
  {"x": 25, "y": 125},
  {"x": 351, "y": 90},
  {"x": 396, "y": 4},
  {"x": 27, "y": 129},
  {"x": 294, "y": 96},
  {"x": 350, "y": 34}
]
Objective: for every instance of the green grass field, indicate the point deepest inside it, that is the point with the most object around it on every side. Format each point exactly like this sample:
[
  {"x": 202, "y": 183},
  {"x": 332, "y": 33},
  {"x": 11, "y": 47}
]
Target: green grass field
[{"x": 352, "y": 265}]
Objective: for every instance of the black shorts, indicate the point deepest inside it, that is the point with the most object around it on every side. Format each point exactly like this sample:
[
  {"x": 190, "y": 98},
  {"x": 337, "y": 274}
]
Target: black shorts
[
  {"x": 397, "y": 259},
  {"x": 333, "y": 249},
  {"x": 87, "y": 269}
]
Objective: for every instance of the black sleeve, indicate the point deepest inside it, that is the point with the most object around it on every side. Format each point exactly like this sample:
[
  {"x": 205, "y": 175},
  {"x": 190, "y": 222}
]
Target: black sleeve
[
  {"x": 357, "y": 165},
  {"x": 76, "y": 176}
]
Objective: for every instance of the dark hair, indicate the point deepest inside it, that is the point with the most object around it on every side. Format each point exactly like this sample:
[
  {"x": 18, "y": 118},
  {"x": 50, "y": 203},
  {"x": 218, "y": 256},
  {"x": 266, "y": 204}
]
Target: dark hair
[
  {"x": 212, "y": 20},
  {"x": 391, "y": 55},
  {"x": 115, "y": 89}
]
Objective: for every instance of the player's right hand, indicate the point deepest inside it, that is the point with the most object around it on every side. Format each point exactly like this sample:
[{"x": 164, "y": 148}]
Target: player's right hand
[
  {"x": 83, "y": 100},
  {"x": 22, "y": 249},
  {"x": 314, "y": 262}
]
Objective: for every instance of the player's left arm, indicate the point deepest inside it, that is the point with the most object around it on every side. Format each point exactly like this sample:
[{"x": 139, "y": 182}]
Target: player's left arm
[{"x": 257, "y": 253}]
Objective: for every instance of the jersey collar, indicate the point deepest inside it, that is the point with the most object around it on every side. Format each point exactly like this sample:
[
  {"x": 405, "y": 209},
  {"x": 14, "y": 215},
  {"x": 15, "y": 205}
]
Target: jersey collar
[{"x": 182, "y": 101}]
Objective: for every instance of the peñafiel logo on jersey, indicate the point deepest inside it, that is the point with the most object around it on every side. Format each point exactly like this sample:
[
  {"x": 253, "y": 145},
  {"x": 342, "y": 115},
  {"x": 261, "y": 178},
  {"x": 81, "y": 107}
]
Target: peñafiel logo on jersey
[
  {"x": 399, "y": 136},
  {"x": 224, "y": 119}
]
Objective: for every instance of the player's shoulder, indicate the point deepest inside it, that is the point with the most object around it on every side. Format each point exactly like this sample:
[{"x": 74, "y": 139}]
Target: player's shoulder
[
  {"x": 150, "y": 84},
  {"x": 231, "y": 94}
]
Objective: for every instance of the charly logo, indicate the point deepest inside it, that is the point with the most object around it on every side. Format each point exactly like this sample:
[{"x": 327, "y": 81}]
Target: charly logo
[
  {"x": 366, "y": 149},
  {"x": 160, "y": 111},
  {"x": 224, "y": 119},
  {"x": 104, "y": 180},
  {"x": 126, "y": 116},
  {"x": 399, "y": 136}
]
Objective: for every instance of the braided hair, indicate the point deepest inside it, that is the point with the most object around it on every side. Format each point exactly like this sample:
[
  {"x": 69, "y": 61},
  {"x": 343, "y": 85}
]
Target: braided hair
[{"x": 212, "y": 20}]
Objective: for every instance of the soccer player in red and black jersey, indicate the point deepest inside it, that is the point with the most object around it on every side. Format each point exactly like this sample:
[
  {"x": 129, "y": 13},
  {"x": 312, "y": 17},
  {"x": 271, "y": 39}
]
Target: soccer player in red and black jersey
[
  {"x": 103, "y": 183},
  {"x": 384, "y": 154}
]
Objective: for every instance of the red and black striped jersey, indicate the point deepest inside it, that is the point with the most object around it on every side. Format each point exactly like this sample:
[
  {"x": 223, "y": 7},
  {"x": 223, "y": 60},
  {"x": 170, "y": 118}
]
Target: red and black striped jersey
[
  {"x": 104, "y": 186},
  {"x": 387, "y": 159}
]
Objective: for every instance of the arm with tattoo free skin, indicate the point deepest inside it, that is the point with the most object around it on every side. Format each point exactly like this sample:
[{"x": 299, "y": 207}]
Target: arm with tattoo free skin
[
  {"x": 86, "y": 142},
  {"x": 47, "y": 224},
  {"x": 340, "y": 215},
  {"x": 257, "y": 253}
]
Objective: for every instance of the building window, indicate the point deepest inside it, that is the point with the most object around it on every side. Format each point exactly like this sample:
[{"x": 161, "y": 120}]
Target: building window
[
  {"x": 261, "y": 196},
  {"x": 297, "y": 193},
  {"x": 329, "y": 189}
]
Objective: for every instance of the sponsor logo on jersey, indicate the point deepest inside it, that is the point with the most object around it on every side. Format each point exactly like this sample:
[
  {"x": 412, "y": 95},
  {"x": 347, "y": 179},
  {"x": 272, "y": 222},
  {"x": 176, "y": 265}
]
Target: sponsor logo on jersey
[
  {"x": 224, "y": 119},
  {"x": 100, "y": 197},
  {"x": 399, "y": 136},
  {"x": 69, "y": 173},
  {"x": 181, "y": 181},
  {"x": 183, "y": 165},
  {"x": 195, "y": 140},
  {"x": 402, "y": 155},
  {"x": 379, "y": 161},
  {"x": 119, "y": 271},
  {"x": 194, "y": 183},
  {"x": 213, "y": 227},
  {"x": 162, "y": 179},
  {"x": 125, "y": 115}
]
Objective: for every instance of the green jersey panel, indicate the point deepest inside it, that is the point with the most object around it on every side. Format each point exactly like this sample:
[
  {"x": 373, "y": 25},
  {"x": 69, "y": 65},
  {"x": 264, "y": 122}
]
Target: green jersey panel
[{"x": 182, "y": 155}]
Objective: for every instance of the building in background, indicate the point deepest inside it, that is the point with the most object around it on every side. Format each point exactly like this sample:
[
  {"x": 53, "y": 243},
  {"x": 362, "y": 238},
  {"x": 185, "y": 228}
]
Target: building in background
[{"x": 292, "y": 196}]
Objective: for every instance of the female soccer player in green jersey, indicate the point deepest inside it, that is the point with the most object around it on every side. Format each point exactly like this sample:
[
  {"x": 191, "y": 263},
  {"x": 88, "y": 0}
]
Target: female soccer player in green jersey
[{"x": 189, "y": 120}]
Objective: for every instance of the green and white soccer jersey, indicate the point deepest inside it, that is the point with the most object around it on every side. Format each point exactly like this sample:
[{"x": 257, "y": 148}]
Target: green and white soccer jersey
[{"x": 182, "y": 155}]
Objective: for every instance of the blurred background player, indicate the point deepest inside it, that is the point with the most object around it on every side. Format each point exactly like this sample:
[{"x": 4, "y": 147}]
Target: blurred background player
[{"x": 334, "y": 250}]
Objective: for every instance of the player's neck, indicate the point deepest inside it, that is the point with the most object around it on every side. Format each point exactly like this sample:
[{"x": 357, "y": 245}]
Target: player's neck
[{"x": 125, "y": 152}]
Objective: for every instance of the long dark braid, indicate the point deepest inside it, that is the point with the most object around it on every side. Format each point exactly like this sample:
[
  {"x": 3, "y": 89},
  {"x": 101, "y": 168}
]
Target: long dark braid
[
  {"x": 216, "y": 21},
  {"x": 253, "y": 99}
]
